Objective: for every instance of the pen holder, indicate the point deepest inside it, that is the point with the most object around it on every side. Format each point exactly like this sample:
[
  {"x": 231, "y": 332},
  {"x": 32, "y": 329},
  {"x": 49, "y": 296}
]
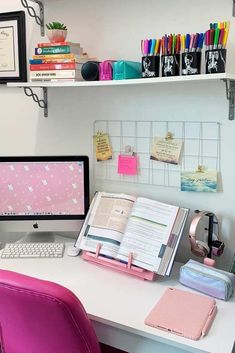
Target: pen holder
[
  {"x": 215, "y": 61},
  {"x": 170, "y": 65},
  {"x": 150, "y": 66},
  {"x": 191, "y": 63}
]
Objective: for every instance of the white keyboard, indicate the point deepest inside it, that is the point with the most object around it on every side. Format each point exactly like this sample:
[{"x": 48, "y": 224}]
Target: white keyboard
[{"x": 33, "y": 250}]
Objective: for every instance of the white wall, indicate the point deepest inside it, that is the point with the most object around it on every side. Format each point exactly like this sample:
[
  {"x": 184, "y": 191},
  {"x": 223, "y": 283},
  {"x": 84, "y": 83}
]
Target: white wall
[{"x": 113, "y": 29}]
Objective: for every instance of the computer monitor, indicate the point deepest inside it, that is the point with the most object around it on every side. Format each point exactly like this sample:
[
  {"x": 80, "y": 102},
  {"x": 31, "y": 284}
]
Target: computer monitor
[{"x": 43, "y": 195}]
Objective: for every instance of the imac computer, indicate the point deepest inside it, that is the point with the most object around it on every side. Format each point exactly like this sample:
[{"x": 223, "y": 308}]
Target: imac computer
[{"x": 43, "y": 196}]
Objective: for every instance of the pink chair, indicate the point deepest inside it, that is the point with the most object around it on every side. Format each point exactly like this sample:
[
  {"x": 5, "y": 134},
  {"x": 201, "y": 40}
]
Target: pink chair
[{"x": 38, "y": 316}]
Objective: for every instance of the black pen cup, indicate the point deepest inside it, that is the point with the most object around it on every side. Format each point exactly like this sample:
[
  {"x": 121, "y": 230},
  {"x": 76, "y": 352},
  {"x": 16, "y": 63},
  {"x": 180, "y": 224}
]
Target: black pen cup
[
  {"x": 150, "y": 66},
  {"x": 191, "y": 63},
  {"x": 215, "y": 61},
  {"x": 170, "y": 65}
]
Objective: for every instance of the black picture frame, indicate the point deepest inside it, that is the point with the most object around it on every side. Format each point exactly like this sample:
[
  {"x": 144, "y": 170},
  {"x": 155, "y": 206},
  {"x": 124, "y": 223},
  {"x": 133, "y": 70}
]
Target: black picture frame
[{"x": 13, "y": 66}]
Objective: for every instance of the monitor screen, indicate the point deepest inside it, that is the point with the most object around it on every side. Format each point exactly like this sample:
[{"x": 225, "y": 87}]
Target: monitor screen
[{"x": 43, "y": 188}]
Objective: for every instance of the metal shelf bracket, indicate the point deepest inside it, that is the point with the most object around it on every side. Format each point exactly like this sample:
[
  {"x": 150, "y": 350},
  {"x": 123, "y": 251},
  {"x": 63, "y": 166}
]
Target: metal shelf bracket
[
  {"x": 39, "y": 19},
  {"x": 230, "y": 94},
  {"x": 42, "y": 103}
]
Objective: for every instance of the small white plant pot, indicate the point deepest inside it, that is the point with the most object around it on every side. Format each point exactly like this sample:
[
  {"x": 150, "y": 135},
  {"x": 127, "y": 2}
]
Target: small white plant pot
[{"x": 56, "y": 35}]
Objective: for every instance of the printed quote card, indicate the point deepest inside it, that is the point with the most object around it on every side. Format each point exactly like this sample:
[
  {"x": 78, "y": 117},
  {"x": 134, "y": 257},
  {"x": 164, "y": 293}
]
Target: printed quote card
[
  {"x": 166, "y": 150},
  {"x": 102, "y": 146},
  {"x": 205, "y": 181}
]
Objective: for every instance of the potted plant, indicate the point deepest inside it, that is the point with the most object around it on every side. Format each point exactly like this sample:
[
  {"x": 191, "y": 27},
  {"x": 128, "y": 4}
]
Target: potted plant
[{"x": 56, "y": 32}]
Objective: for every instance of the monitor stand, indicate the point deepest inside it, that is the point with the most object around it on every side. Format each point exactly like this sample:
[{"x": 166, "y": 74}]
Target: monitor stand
[
  {"x": 47, "y": 237},
  {"x": 37, "y": 237}
]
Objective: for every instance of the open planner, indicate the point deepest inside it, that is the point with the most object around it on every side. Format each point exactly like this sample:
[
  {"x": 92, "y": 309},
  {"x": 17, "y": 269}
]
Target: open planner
[{"x": 120, "y": 227}]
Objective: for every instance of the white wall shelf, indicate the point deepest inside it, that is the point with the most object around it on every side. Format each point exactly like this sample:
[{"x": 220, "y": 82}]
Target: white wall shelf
[
  {"x": 32, "y": 13},
  {"x": 229, "y": 80},
  {"x": 40, "y": 19},
  {"x": 139, "y": 81}
]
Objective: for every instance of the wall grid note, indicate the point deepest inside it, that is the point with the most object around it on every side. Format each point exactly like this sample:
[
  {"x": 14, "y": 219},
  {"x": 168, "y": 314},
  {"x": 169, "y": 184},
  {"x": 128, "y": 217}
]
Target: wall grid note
[{"x": 201, "y": 146}]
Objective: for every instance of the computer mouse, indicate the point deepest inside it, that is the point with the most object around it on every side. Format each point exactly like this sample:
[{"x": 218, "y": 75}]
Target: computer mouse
[{"x": 73, "y": 251}]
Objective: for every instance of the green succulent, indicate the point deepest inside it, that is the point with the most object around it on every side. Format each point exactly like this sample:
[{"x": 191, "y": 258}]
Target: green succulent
[{"x": 56, "y": 25}]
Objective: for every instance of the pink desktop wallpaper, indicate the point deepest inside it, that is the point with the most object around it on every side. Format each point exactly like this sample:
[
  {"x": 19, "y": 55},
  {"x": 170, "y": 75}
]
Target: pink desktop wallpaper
[{"x": 41, "y": 188}]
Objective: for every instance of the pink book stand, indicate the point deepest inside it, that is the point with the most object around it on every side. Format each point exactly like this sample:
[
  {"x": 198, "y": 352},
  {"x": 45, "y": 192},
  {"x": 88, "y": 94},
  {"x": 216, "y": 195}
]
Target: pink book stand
[{"x": 117, "y": 265}]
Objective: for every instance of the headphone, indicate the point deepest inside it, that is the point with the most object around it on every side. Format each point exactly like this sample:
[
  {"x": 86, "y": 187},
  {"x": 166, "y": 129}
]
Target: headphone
[{"x": 201, "y": 248}]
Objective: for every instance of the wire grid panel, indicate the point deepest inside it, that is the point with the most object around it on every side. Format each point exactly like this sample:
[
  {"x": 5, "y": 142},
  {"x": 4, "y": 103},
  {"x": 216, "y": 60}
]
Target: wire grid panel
[{"x": 201, "y": 146}]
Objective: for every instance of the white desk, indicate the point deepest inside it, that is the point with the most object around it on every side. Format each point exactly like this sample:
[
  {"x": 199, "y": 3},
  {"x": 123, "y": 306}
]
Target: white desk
[{"x": 118, "y": 305}]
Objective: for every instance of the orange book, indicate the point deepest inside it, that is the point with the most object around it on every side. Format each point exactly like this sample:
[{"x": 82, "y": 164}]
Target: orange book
[
  {"x": 51, "y": 61},
  {"x": 55, "y": 56}
]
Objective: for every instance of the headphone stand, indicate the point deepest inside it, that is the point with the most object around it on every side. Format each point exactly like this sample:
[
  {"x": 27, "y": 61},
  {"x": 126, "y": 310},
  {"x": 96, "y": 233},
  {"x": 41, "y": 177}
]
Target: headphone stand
[{"x": 210, "y": 231}]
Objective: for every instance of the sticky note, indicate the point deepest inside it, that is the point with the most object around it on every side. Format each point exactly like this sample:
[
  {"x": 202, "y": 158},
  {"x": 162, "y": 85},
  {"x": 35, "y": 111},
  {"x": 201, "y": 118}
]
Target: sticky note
[{"x": 127, "y": 165}]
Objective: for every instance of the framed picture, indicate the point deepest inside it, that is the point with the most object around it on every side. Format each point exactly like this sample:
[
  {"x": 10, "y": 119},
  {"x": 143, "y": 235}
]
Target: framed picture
[{"x": 13, "y": 66}]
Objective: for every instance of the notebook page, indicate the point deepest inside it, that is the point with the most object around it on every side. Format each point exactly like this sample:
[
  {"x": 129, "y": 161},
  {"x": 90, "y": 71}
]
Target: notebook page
[
  {"x": 148, "y": 228},
  {"x": 106, "y": 223}
]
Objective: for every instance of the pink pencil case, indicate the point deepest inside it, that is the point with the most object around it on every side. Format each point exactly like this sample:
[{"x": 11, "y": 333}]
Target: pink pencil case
[{"x": 106, "y": 70}]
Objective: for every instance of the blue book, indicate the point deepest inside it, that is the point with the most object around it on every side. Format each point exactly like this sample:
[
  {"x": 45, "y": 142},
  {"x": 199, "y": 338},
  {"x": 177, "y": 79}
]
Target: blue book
[{"x": 36, "y": 61}]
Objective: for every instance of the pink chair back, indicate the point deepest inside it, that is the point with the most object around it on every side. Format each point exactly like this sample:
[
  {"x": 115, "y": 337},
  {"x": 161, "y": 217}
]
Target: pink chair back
[{"x": 38, "y": 316}]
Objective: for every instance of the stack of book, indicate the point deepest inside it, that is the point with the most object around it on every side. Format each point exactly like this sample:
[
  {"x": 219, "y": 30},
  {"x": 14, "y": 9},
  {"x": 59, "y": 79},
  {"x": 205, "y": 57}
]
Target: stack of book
[{"x": 57, "y": 61}]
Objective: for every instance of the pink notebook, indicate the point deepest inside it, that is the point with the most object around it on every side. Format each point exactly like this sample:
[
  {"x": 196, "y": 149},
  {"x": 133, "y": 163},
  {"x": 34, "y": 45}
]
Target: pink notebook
[{"x": 183, "y": 313}]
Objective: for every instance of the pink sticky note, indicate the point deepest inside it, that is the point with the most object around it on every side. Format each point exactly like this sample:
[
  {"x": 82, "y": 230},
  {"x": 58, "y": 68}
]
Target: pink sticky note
[{"x": 127, "y": 165}]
